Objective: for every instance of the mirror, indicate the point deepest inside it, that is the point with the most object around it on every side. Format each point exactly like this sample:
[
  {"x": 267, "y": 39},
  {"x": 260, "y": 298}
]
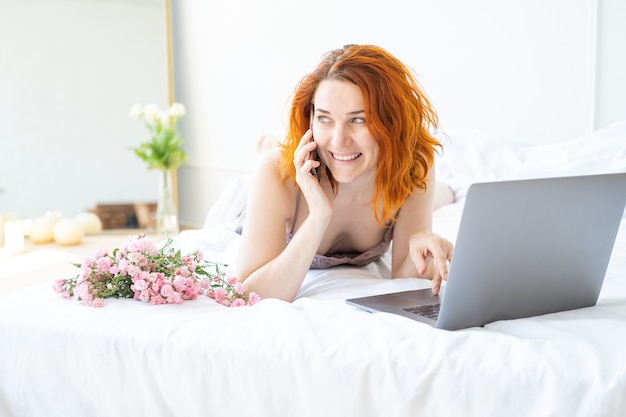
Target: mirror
[{"x": 71, "y": 72}]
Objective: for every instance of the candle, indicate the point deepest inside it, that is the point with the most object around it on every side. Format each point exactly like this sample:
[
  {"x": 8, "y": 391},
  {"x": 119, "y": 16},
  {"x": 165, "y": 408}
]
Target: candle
[
  {"x": 90, "y": 221},
  {"x": 68, "y": 232},
  {"x": 42, "y": 229},
  {"x": 14, "y": 236}
]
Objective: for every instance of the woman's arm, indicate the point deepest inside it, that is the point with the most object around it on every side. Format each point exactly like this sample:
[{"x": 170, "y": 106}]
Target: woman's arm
[
  {"x": 266, "y": 263},
  {"x": 417, "y": 251}
]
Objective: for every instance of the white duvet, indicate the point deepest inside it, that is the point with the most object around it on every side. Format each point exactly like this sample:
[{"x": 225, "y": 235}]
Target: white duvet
[{"x": 316, "y": 356}]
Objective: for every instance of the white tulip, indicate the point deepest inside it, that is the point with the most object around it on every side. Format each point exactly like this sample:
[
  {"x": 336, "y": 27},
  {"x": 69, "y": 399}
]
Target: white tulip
[
  {"x": 136, "y": 111},
  {"x": 151, "y": 112},
  {"x": 177, "y": 110},
  {"x": 165, "y": 120}
]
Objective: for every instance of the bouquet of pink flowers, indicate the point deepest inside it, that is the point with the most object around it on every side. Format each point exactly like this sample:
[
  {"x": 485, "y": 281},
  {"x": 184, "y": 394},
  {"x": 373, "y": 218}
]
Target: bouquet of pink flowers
[{"x": 141, "y": 271}]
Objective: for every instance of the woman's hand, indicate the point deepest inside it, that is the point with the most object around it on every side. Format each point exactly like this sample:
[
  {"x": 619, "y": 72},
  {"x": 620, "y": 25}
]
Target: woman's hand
[
  {"x": 425, "y": 247},
  {"x": 312, "y": 178}
]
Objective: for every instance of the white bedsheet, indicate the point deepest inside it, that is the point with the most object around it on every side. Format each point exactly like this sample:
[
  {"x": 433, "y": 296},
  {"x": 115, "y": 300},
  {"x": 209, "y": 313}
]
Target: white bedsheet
[{"x": 316, "y": 356}]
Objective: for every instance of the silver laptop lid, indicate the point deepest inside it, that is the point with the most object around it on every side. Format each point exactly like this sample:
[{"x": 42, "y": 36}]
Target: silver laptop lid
[{"x": 531, "y": 247}]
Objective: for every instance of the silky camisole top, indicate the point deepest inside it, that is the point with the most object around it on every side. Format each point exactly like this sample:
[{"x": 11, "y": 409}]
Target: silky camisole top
[{"x": 353, "y": 258}]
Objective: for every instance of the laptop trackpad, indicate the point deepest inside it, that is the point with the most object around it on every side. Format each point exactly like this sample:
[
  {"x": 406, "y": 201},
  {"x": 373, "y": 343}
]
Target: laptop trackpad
[{"x": 404, "y": 301}]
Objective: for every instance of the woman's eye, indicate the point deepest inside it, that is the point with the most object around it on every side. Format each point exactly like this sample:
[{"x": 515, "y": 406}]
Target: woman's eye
[
  {"x": 358, "y": 120},
  {"x": 323, "y": 119}
]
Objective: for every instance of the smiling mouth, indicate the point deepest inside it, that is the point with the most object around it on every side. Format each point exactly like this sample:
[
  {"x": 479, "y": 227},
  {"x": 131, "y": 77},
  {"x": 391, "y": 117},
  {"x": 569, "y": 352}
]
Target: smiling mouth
[{"x": 350, "y": 157}]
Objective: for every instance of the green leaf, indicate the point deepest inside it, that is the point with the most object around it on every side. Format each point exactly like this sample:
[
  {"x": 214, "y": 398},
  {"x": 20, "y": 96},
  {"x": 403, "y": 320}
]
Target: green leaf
[{"x": 164, "y": 151}]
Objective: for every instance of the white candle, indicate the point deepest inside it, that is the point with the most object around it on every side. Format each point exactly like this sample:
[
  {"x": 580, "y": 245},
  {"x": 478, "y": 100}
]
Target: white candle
[
  {"x": 14, "y": 236},
  {"x": 90, "y": 222},
  {"x": 42, "y": 229},
  {"x": 68, "y": 232}
]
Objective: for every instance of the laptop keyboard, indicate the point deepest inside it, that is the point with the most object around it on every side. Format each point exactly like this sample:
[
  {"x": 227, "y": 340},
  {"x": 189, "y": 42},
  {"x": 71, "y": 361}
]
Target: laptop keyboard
[{"x": 429, "y": 310}]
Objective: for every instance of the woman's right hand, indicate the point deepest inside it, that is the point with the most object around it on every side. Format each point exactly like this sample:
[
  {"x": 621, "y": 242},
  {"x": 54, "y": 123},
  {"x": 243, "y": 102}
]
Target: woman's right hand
[{"x": 312, "y": 178}]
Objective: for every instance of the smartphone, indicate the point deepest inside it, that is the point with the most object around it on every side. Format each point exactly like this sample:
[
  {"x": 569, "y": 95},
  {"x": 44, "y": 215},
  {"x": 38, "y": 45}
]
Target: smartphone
[
  {"x": 315, "y": 157},
  {"x": 314, "y": 170}
]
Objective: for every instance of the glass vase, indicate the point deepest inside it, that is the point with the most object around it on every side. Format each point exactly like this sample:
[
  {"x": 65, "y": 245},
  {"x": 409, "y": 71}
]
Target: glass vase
[{"x": 166, "y": 214}]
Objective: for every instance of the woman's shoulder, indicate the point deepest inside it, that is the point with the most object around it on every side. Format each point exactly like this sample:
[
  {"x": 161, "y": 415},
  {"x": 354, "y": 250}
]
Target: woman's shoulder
[
  {"x": 270, "y": 160},
  {"x": 268, "y": 173},
  {"x": 270, "y": 196}
]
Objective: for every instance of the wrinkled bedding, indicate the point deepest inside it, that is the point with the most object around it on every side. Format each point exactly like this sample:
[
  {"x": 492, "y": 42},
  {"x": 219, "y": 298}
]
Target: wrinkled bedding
[{"x": 317, "y": 355}]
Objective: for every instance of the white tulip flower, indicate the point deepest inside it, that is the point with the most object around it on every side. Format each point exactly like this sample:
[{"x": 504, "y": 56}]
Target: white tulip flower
[
  {"x": 136, "y": 111},
  {"x": 166, "y": 120},
  {"x": 177, "y": 110},
  {"x": 151, "y": 112}
]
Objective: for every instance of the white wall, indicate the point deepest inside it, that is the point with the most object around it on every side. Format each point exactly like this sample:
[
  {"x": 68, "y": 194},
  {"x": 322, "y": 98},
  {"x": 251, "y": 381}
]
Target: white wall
[
  {"x": 525, "y": 71},
  {"x": 522, "y": 70},
  {"x": 69, "y": 72},
  {"x": 611, "y": 69}
]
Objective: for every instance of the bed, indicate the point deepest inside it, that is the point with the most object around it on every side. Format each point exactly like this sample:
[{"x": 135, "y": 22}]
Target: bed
[{"x": 318, "y": 356}]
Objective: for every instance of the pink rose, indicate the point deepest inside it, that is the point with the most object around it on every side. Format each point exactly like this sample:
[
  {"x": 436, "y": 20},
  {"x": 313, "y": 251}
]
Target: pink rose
[
  {"x": 253, "y": 298},
  {"x": 153, "y": 276},
  {"x": 82, "y": 290},
  {"x": 97, "y": 302},
  {"x": 132, "y": 270},
  {"x": 144, "y": 296},
  {"x": 239, "y": 288},
  {"x": 174, "y": 298},
  {"x": 122, "y": 267},
  {"x": 238, "y": 302},
  {"x": 156, "y": 286},
  {"x": 140, "y": 285},
  {"x": 167, "y": 290},
  {"x": 57, "y": 285},
  {"x": 103, "y": 264},
  {"x": 182, "y": 271},
  {"x": 157, "y": 300},
  {"x": 220, "y": 294},
  {"x": 180, "y": 283},
  {"x": 84, "y": 273}
]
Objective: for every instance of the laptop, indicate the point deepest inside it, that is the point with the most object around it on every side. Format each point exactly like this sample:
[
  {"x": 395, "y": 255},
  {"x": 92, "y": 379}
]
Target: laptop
[{"x": 524, "y": 248}]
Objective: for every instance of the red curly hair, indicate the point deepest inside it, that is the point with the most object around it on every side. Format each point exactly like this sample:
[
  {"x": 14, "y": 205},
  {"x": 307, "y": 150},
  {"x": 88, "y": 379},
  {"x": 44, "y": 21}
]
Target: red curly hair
[{"x": 398, "y": 115}]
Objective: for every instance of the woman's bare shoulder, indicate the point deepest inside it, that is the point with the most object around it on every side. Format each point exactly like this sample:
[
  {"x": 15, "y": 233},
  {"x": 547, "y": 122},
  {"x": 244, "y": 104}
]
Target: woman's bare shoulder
[
  {"x": 268, "y": 164},
  {"x": 267, "y": 178}
]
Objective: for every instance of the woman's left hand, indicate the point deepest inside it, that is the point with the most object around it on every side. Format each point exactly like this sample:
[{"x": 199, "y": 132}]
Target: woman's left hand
[{"x": 427, "y": 246}]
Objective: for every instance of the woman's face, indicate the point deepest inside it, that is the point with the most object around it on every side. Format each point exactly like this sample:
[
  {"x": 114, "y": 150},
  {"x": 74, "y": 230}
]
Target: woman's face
[{"x": 344, "y": 142}]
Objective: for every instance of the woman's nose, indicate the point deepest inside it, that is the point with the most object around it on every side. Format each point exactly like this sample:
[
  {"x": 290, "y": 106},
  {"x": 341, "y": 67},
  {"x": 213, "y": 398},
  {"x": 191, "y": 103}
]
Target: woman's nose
[{"x": 341, "y": 136}]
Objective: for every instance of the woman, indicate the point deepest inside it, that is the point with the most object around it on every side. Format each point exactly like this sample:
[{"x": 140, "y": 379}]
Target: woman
[{"x": 355, "y": 171}]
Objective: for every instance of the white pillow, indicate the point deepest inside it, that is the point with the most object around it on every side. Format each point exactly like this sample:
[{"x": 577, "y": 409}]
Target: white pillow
[{"x": 470, "y": 157}]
